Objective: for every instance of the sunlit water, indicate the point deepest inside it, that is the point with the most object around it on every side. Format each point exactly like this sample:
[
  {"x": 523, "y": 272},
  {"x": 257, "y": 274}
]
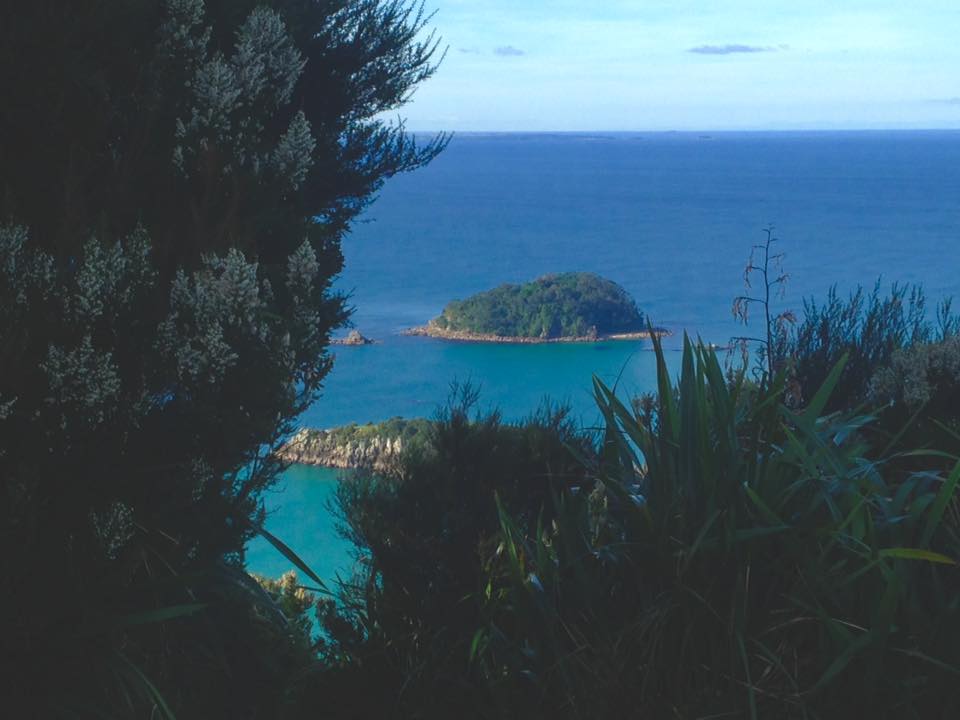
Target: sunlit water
[{"x": 671, "y": 217}]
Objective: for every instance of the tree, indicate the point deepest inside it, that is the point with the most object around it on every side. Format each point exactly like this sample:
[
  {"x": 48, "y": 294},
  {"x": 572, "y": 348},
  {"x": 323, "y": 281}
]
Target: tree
[{"x": 175, "y": 181}]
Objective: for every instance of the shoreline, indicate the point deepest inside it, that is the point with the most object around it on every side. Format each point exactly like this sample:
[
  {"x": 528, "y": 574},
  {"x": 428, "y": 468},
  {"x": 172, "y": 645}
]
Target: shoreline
[
  {"x": 436, "y": 333},
  {"x": 323, "y": 448}
]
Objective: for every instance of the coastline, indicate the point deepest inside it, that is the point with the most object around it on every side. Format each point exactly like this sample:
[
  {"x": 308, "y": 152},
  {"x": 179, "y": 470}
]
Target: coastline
[
  {"x": 321, "y": 448},
  {"x": 432, "y": 331},
  {"x": 376, "y": 446}
]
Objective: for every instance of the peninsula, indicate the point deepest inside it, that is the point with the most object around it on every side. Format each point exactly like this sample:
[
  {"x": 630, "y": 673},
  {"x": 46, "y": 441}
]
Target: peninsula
[{"x": 566, "y": 307}]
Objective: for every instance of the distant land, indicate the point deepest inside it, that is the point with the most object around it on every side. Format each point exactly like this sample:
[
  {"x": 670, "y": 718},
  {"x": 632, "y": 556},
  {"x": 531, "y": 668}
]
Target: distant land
[{"x": 564, "y": 307}]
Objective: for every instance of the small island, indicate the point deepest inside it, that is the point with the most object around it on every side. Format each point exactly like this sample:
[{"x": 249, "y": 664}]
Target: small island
[
  {"x": 565, "y": 307},
  {"x": 353, "y": 338}
]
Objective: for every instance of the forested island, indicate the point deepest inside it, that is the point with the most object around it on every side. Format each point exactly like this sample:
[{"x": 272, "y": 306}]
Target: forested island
[{"x": 565, "y": 307}]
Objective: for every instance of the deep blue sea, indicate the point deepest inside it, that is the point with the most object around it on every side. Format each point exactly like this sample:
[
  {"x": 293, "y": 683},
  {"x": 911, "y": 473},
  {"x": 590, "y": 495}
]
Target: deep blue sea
[{"x": 670, "y": 216}]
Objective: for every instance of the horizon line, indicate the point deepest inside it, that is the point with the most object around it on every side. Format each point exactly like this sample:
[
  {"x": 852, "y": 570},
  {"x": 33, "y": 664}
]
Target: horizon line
[{"x": 687, "y": 131}]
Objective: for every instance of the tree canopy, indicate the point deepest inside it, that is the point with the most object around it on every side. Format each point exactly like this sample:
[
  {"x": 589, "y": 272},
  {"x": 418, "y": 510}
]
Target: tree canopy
[
  {"x": 562, "y": 305},
  {"x": 175, "y": 180}
]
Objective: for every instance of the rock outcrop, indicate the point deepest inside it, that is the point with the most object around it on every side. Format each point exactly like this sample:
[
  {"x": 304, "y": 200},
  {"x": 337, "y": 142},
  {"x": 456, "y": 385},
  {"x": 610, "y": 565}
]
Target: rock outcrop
[
  {"x": 354, "y": 337},
  {"x": 325, "y": 449}
]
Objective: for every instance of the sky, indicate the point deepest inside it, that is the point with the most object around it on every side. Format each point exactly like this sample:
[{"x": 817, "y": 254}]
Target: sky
[{"x": 540, "y": 65}]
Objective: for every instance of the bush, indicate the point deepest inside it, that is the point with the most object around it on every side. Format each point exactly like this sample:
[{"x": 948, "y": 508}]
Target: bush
[
  {"x": 919, "y": 389},
  {"x": 721, "y": 554},
  {"x": 922, "y": 376},
  {"x": 398, "y": 639},
  {"x": 868, "y": 328},
  {"x": 749, "y": 561}
]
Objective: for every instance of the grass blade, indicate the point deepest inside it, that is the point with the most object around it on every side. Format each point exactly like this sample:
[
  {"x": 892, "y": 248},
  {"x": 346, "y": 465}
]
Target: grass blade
[
  {"x": 940, "y": 505},
  {"x": 293, "y": 557}
]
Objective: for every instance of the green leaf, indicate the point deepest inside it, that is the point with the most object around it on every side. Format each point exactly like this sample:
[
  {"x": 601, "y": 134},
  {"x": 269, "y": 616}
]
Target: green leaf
[
  {"x": 665, "y": 389},
  {"x": 940, "y": 505},
  {"x": 819, "y": 401},
  {"x": 699, "y": 540},
  {"x": 751, "y": 690},
  {"x": 768, "y": 514},
  {"x": 844, "y": 659},
  {"x": 293, "y": 557},
  {"x": 162, "y": 709},
  {"x": 904, "y": 553},
  {"x": 479, "y": 640}
]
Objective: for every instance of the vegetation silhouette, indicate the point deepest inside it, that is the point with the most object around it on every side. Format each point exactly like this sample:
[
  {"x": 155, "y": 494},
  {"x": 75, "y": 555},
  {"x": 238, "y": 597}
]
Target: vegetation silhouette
[{"x": 175, "y": 180}]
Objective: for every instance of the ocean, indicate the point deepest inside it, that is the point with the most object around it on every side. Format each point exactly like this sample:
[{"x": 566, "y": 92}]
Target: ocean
[{"x": 671, "y": 217}]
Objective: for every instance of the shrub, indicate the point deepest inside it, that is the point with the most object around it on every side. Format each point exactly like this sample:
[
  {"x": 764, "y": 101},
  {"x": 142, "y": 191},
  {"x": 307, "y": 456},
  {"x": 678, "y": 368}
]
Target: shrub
[
  {"x": 398, "y": 638},
  {"x": 869, "y": 328},
  {"x": 747, "y": 560},
  {"x": 919, "y": 390}
]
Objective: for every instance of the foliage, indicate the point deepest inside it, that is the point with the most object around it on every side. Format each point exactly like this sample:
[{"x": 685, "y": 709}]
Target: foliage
[
  {"x": 411, "y": 430},
  {"x": 721, "y": 555},
  {"x": 564, "y": 305},
  {"x": 398, "y": 643},
  {"x": 921, "y": 375},
  {"x": 175, "y": 179},
  {"x": 750, "y": 561},
  {"x": 869, "y": 328},
  {"x": 920, "y": 389},
  {"x": 295, "y": 602}
]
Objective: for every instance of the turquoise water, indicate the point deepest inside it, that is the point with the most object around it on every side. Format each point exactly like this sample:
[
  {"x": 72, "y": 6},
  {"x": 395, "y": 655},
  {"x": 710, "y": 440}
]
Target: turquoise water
[
  {"x": 514, "y": 378},
  {"x": 669, "y": 216},
  {"x": 410, "y": 376},
  {"x": 301, "y": 514}
]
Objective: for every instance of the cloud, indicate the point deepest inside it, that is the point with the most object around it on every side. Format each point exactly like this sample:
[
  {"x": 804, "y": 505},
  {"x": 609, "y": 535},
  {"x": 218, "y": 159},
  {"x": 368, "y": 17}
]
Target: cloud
[
  {"x": 947, "y": 101},
  {"x": 508, "y": 51},
  {"x": 733, "y": 49},
  {"x": 470, "y": 50}
]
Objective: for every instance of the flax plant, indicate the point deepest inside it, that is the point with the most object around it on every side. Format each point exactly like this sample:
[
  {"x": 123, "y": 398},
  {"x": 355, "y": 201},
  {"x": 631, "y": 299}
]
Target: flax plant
[{"x": 737, "y": 558}]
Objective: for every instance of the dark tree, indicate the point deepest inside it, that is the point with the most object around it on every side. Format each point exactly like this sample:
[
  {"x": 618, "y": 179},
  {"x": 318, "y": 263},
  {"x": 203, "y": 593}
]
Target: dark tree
[{"x": 175, "y": 181}]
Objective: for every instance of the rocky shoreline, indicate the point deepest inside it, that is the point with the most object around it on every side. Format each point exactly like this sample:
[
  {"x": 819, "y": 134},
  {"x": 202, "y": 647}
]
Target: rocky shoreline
[
  {"x": 322, "y": 448},
  {"x": 433, "y": 331},
  {"x": 373, "y": 446}
]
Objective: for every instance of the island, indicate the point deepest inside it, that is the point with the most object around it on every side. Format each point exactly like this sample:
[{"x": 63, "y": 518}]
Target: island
[
  {"x": 375, "y": 446},
  {"x": 564, "y": 307},
  {"x": 354, "y": 337}
]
